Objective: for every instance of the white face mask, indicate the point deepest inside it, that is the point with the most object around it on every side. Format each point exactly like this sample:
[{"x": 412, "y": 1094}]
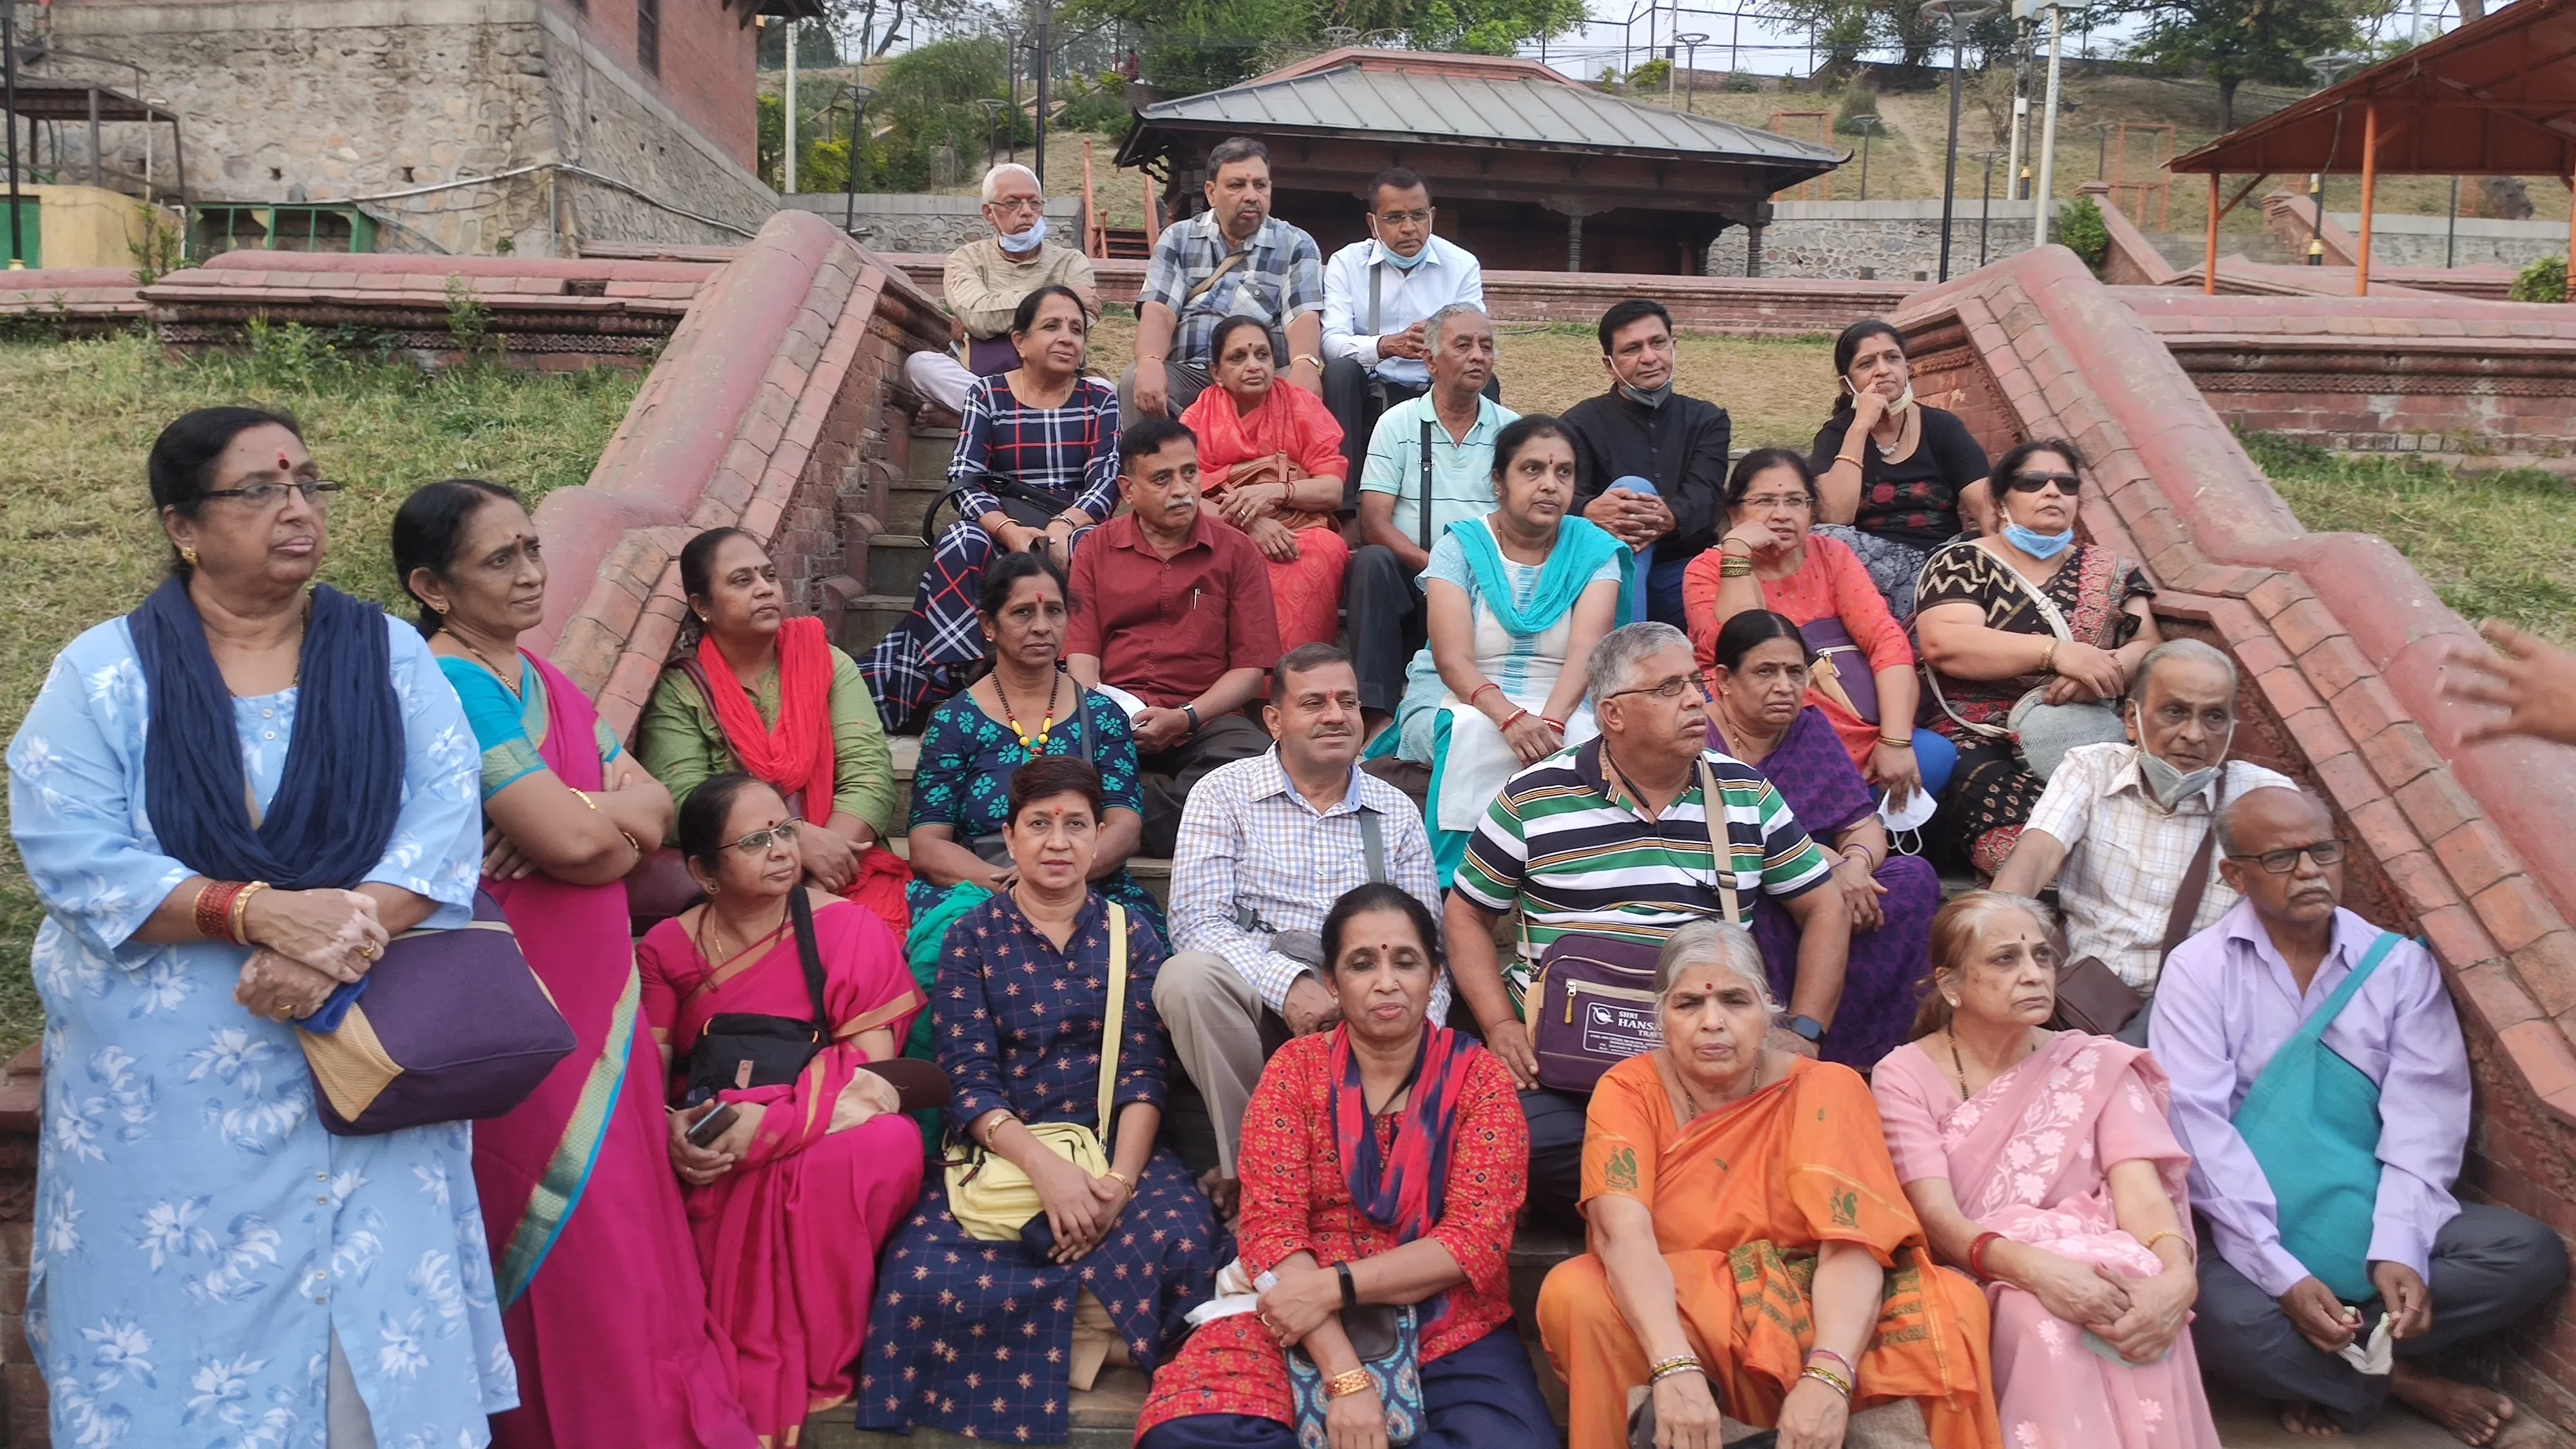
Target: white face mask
[{"x": 1909, "y": 816}]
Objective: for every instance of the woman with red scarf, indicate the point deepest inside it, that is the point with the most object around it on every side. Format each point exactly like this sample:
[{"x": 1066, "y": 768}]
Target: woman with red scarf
[
  {"x": 1270, "y": 463},
  {"x": 769, "y": 696},
  {"x": 1383, "y": 1163}
]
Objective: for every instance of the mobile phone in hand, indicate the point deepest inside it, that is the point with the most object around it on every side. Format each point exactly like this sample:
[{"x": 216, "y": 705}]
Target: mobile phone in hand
[{"x": 713, "y": 1125}]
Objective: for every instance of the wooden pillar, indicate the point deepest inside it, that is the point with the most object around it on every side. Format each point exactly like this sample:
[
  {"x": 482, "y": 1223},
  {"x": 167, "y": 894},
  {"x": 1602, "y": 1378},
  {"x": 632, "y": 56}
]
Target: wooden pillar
[
  {"x": 1574, "y": 242},
  {"x": 2369, "y": 192},
  {"x": 2209, "y": 254}
]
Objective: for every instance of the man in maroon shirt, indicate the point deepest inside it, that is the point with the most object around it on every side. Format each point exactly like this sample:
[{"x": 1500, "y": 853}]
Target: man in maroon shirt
[{"x": 1173, "y": 606}]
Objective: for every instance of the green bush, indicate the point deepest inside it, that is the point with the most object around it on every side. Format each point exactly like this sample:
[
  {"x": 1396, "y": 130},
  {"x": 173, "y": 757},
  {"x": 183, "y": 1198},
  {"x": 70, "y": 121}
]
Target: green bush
[
  {"x": 1742, "y": 82},
  {"x": 2543, "y": 281},
  {"x": 2081, "y": 229},
  {"x": 1654, "y": 75},
  {"x": 1096, "y": 105},
  {"x": 1857, "y": 113}
]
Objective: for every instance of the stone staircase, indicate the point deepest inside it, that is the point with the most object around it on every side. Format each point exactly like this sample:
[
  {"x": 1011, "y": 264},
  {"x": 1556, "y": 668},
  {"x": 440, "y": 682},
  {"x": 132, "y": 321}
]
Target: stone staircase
[{"x": 900, "y": 555}]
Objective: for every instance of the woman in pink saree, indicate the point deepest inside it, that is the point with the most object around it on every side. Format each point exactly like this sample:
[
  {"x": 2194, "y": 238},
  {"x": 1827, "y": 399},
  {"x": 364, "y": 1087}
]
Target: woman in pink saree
[
  {"x": 1270, "y": 462},
  {"x": 2043, "y": 1163},
  {"x": 591, "y": 1258},
  {"x": 790, "y": 1203}
]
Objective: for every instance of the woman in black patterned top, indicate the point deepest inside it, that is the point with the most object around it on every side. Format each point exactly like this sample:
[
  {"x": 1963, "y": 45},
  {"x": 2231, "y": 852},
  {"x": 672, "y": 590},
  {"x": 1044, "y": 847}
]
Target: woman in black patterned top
[{"x": 1896, "y": 478}]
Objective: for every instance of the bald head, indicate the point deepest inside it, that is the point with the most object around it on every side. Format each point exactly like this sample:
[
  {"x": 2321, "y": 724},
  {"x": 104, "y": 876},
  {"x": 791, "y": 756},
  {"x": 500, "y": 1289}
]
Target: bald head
[{"x": 2294, "y": 828}]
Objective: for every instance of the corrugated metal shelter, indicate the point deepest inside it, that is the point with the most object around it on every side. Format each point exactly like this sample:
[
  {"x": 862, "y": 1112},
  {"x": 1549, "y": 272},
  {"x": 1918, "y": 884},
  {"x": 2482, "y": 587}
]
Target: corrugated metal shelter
[
  {"x": 1528, "y": 168},
  {"x": 2496, "y": 97}
]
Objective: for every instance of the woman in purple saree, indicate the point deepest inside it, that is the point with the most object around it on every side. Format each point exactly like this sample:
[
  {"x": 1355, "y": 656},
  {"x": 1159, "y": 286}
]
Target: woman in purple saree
[
  {"x": 597, "y": 1280},
  {"x": 1758, "y": 715}
]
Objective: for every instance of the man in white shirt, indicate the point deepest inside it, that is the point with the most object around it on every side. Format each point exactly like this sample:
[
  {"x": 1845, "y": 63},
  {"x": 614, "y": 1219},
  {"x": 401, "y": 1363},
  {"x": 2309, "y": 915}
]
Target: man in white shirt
[
  {"x": 2120, "y": 827},
  {"x": 1405, "y": 504},
  {"x": 984, "y": 282},
  {"x": 1378, "y": 299}
]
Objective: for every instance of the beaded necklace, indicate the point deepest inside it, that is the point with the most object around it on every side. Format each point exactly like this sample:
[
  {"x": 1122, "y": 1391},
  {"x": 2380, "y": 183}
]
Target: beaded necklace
[{"x": 1034, "y": 744}]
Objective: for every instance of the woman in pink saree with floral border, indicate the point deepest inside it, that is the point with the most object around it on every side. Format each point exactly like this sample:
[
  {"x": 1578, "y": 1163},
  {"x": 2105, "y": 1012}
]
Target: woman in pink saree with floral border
[
  {"x": 789, "y": 1236},
  {"x": 2029, "y": 1156}
]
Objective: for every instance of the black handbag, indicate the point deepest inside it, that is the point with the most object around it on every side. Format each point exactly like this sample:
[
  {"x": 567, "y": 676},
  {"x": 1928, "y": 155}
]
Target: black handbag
[
  {"x": 1020, "y": 502},
  {"x": 744, "y": 1049}
]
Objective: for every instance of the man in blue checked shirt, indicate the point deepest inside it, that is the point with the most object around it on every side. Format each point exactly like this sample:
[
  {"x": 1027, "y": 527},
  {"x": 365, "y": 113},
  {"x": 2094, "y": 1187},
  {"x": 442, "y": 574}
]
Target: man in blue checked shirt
[
  {"x": 1266, "y": 846},
  {"x": 1232, "y": 259}
]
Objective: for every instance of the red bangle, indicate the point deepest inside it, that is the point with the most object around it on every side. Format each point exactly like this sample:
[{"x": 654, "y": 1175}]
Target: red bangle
[
  {"x": 1479, "y": 692},
  {"x": 1517, "y": 716},
  {"x": 1977, "y": 1257},
  {"x": 214, "y": 908},
  {"x": 1557, "y": 725}
]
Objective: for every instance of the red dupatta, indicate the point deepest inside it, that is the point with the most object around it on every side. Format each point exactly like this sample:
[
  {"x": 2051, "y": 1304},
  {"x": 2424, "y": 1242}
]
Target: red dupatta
[{"x": 796, "y": 754}]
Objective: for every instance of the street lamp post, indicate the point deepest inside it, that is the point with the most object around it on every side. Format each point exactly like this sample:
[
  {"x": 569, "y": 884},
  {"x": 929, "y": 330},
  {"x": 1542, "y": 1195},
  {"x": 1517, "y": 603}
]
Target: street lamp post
[
  {"x": 860, "y": 95},
  {"x": 1011, "y": 72},
  {"x": 1868, "y": 124},
  {"x": 1691, "y": 44},
  {"x": 992, "y": 110},
  {"x": 2046, "y": 191},
  {"x": 1985, "y": 198},
  {"x": 1042, "y": 61},
  {"x": 1958, "y": 13},
  {"x": 9, "y": 71}
]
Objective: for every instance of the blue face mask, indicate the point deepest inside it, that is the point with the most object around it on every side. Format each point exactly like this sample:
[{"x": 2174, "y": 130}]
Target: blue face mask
[
  {"x": 1405, "y": 264},
  {"x": 2038, "y": 545},
  {"x": 1027, "y": 241}
]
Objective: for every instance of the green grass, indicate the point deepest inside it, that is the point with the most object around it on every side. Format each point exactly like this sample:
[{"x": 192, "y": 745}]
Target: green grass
[
  {"x": 79, "y": 544},
  {"x": 2493, "y": 545}
]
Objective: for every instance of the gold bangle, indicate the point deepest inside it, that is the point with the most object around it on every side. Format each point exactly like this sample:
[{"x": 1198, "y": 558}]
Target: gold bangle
[
  {"x": 1118, "y": 1177},
  {"x": 1828, "y": 1378},
  {"x": 1306, "y": 357},
  {"x": 584, "y": 799},
  {"x": 2048, "y": 661},
  {"x": 2190, "y": 1249},
  {"x": 1343, "y": 1385},
  {"x": 239, "y": 916}
]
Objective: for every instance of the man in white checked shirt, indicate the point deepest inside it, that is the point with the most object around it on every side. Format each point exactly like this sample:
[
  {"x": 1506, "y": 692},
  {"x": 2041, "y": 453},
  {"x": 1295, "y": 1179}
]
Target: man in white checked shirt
[
  {"x": 2120, "y": 826},
  {"x": 1266, "y": 846}
]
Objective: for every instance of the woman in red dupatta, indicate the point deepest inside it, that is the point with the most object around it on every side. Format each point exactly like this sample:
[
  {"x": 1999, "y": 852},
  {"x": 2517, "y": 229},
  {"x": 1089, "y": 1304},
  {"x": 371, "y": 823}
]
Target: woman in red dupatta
[
  {"x": 2047, "y": 1162},
  {"x": 1399, "y": 1149},
  {"x": 770, "y": 696},
  {"x": 791, "y": 1203},
  {"x": 1752, "y": 1249},
  {"x": 1270, "y": 458},
  {"x": 592, "y": 1261}
]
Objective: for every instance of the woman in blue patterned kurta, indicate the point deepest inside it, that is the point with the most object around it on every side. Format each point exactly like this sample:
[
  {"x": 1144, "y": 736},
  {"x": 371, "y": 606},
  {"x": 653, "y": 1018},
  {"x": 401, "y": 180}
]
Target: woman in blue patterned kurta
[
  {"x": 210, "y": 1266},
  {"x": 975, "y": 1337}
]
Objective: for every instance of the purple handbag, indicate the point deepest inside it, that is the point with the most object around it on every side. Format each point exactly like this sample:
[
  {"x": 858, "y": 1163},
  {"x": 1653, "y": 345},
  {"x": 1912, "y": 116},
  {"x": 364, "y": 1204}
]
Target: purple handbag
[
  {"x": 1828, "y": 642},
  {"x": 1592, "y": 1004},
  {"x": 451, "y": 1025},
  {"x": 991, "y": 356}
]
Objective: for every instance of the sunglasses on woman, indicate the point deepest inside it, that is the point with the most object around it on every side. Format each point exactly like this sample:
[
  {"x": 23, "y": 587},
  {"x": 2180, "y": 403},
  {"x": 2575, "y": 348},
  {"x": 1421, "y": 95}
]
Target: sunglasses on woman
[{"x": 2066, "y": 483}]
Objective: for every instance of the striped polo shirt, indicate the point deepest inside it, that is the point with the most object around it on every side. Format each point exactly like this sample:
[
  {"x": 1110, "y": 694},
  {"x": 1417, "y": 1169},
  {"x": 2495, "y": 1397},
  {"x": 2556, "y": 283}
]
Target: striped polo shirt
[{"x": 1577, "y": 855}]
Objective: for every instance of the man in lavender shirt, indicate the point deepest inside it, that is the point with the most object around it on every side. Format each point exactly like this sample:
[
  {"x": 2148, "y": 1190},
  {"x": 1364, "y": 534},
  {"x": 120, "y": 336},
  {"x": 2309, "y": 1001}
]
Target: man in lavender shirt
[{"x": 2445, "y": 1271}]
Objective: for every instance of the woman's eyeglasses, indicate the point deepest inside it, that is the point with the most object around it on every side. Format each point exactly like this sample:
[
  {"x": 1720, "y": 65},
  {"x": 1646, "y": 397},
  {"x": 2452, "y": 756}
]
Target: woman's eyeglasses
[
  {"x": 2066, "y": 483},
  {"x": 759, "y": 841},
  {"x": 1778, "y": 503},
  {"x": 264, "y": 496},
  {"x": 2282, "y": 862}
]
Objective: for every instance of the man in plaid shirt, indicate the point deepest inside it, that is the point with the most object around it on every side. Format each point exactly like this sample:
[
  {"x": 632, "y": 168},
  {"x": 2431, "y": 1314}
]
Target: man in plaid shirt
[
  {"x": 1232, "y": 259},
  {"x": 2119, "y": 826}
]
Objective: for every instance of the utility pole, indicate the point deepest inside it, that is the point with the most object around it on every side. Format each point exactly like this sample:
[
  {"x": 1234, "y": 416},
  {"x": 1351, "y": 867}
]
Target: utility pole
[
  {"x": 9, "y": 70},
  {"x": 860, "y": 95},
  {"x": 1044, "y": 60},
  {"x": 789, "y": 162},
  {"x": 2046, "y": 191}
]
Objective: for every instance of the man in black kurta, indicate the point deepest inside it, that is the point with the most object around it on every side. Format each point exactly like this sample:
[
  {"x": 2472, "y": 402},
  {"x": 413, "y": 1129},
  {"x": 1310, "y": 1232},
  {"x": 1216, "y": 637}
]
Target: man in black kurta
[{"x": 1650, "y": 464}]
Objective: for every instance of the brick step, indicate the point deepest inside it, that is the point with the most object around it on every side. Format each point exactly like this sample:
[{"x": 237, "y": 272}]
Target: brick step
[
  {"x": 896, "y": 562},
  {"x": 931, "y": 449},
  {"x": 869, "y": 618}
]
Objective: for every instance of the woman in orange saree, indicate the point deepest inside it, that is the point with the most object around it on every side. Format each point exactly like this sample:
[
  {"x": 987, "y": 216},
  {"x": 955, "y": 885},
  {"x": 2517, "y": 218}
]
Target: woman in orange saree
[
  {"x": 1752, "y": 1248},
  {"x": 1270, "y": 462}
]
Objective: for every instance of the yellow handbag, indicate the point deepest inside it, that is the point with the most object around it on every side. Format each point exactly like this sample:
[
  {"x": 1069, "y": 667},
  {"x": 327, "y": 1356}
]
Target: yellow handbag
[{"x": 988, "y": 1194}]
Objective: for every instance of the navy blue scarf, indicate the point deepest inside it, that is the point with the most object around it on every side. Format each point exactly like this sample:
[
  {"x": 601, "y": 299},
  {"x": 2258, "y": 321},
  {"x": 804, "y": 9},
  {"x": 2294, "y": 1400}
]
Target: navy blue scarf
[{"x": 336, "y": 807}]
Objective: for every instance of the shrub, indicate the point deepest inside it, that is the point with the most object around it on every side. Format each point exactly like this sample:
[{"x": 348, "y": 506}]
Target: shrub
[
  {"x": 1742, "y": 82},
  {"x": 2543, "y": 281},
  {"x": 1858, "y": 102},
  {"x": 2080, "y": 227},
  {"x": 1096, "y": 105},
  {"x": 1654, "y": 75}
]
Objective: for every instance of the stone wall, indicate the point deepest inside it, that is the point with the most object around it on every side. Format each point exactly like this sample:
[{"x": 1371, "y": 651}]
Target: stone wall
[
  {"x": 1883, "y": 240},
  {"x": 899, "y": 224},
  {"x": 2418, "y": 241},
  {"x": 373, "y": 100}
]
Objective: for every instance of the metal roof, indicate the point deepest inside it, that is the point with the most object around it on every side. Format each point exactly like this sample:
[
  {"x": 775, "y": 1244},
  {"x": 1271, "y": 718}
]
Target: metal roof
[
  {"x": 1519, "y": 111},
  {"x": 2495, "y": 97}
]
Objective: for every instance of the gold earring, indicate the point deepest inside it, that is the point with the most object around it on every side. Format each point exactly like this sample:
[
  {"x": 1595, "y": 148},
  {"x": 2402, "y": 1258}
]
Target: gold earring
[
  {"x": 187, "y": 556},
  {"x": 1954, "y": 1002},
  {"x": 439, "y": 609},
  {"x": 714, "y": 886}
]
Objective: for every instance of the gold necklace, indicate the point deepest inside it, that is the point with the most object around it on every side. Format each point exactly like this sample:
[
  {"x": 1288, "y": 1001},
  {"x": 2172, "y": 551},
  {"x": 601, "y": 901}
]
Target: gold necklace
[
  {"x": 714, "y": 932},
  {"x": 485, "y": 660},
  {"x": 1959, "y": 1068},
  {"x": 1691, "y": 1099}
]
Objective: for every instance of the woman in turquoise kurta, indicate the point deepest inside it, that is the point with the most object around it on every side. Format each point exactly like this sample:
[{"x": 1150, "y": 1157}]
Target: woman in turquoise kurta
[{"x": 209, "y": 1264}]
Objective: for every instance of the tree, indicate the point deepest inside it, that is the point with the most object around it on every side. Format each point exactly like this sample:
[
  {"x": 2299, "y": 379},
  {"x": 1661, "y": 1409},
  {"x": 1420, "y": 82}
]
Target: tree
[
  {"x": 1197, "y": 45},
  {"x": 2235, "y": 41}
]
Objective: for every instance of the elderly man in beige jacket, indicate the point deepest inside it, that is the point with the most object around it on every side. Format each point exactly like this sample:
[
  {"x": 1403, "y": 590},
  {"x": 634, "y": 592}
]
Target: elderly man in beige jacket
[{"x": 983, "y": 285}]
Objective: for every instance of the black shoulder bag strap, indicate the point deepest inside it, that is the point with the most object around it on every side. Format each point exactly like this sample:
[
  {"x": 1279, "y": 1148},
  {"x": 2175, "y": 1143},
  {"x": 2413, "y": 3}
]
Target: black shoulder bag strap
[
  {"x": 1426, "y": 473},
  {"x": 1377, "y": 270},
  {"x": 1373, "y": 841},
  {"x": 2195, "y": 881},
  {"x": 811, "y": 955}
]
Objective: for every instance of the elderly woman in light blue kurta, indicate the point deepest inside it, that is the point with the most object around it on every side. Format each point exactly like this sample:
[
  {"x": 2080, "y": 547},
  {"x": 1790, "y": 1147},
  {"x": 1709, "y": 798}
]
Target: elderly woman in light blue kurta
[{"x": 209, "y": 1265}]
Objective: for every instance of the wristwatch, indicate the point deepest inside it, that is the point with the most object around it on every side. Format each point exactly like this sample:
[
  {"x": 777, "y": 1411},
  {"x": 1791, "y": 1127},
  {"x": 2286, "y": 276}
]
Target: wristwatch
[
  {"x": 1808, "y": 1027},
  {"x": 1192, "y": 710}
]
